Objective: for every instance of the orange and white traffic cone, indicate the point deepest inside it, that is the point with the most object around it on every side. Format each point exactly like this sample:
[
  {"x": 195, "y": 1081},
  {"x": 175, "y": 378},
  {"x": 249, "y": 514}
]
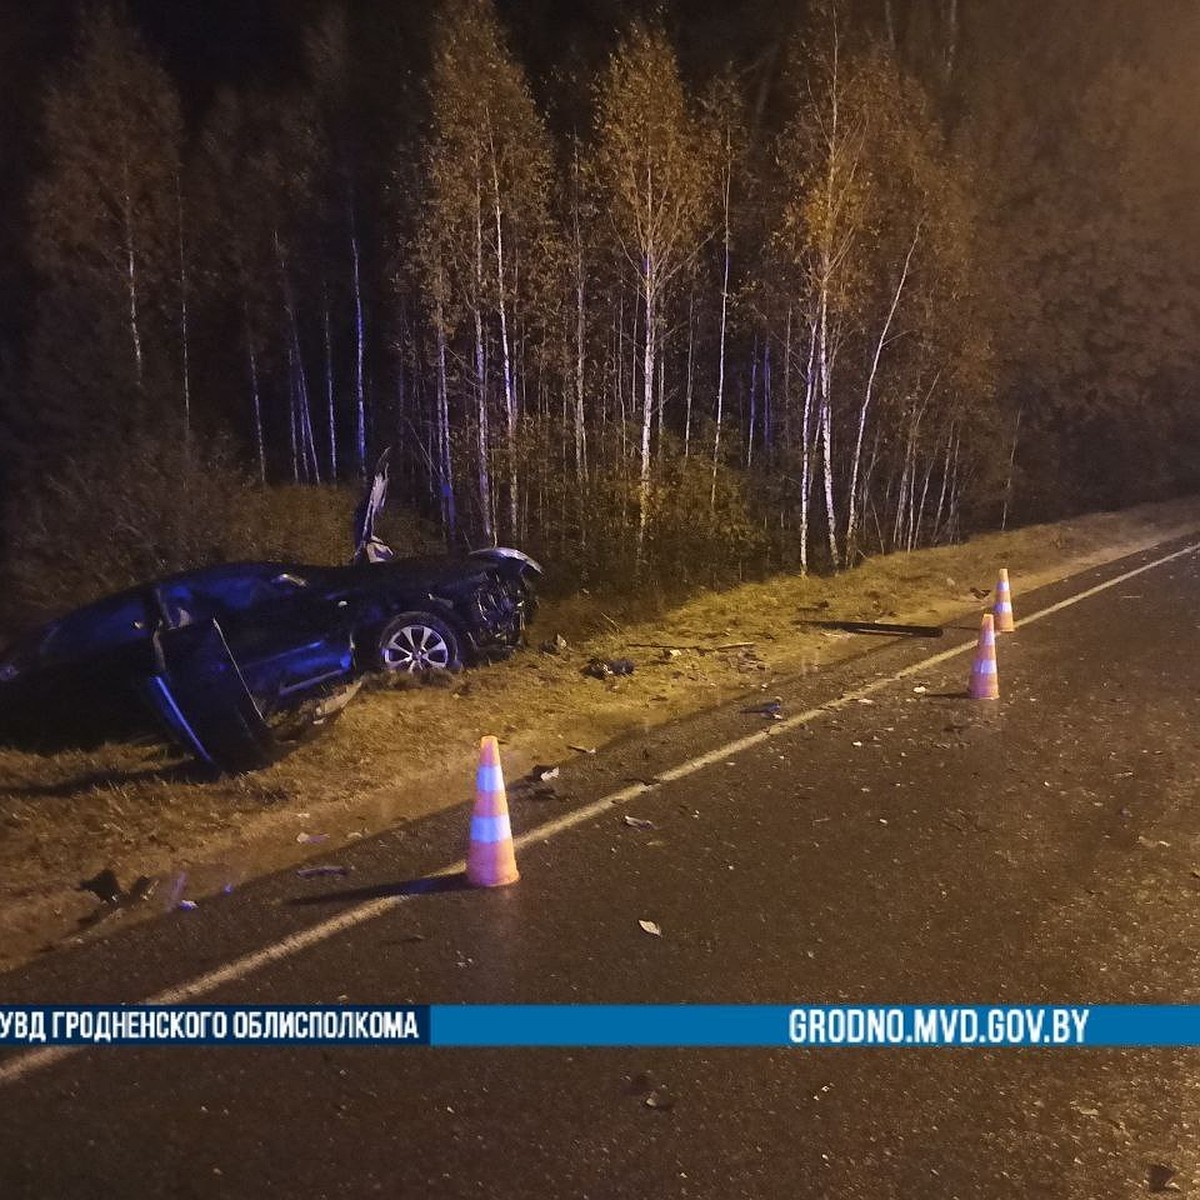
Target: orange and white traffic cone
[
  {"x": 985, "y": 682},
  {"x": 1003, "y": 610},
  {"x": 491, "y": 860}
]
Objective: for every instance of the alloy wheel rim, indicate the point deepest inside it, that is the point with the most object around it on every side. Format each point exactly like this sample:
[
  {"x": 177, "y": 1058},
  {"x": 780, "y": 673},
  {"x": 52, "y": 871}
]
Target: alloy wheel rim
[{"x": 416, "y": 648}]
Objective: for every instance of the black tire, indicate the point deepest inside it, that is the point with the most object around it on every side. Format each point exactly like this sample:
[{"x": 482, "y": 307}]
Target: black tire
[{"x": 416, "y": 642}]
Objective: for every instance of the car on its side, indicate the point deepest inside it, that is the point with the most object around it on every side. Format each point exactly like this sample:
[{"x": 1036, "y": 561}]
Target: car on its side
[
  {"x": 288, "y": 630},
  {"x": 217, "y": 653}
]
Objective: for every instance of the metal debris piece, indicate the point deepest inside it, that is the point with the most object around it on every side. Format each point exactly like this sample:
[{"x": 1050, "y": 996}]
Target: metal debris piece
[
  {"x": 929, "y": 631},
  {"x": 308, "y": 839},
  {"x": 772, "y": 709},
  {"x": 332, "y": 706},
  {"x": 651, "y": 927},
  {"x": 660, "y": 1099},
  {"x": 104, "y": 886},
  {"x": 601, "y": 668},
  {"x": 1159, "y": 1178},
  {"x": 536, "y": 785},
  {"x": 673, "y": 650},
  {"x": 187, "y": 905},
  {"x": 639, "y": 823},
  {"x": 583, "y": 749},
  {"x": 641, "y": 1083},
  {"x": 142, "y": 888},
  {"x": 555, "y": 646},
  {"x": 322, "y": 870},
  {"x": 113, "y": 898}
]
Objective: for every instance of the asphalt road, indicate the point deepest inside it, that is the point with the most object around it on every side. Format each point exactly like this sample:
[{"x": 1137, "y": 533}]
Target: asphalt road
[{"x": 919, "y": 848}]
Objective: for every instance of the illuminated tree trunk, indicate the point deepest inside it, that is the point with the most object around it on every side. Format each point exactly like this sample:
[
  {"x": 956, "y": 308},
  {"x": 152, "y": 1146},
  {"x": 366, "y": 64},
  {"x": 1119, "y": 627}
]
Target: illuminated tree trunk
[{"x": 864, "y": 406}]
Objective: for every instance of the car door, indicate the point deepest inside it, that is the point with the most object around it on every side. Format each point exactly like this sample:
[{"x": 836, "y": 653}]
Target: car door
[{"x": 288, "y": 634}]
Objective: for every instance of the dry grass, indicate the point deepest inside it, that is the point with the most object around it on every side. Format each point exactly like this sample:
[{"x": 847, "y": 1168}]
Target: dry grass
[{"x": 399, "y": 753}]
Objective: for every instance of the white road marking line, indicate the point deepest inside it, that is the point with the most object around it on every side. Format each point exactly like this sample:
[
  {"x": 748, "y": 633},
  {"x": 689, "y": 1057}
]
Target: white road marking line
[{"x": 21, "y": 1065}]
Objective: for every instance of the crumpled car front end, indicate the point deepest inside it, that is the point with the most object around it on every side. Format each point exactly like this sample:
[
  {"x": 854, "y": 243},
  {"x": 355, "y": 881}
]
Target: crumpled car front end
[{"x": 503, "y": 602}]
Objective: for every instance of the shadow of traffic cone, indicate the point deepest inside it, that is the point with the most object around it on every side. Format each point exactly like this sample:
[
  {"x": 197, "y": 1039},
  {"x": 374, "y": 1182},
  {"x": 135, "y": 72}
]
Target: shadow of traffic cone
[
  {"x": 985, "y": 683},
  {"x": 1003, "y": 610},
  {"x": 491, "y": 861}
]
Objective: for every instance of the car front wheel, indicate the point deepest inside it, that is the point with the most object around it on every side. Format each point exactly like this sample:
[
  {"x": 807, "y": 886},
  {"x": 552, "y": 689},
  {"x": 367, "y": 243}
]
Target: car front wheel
[{"x": 418, "y": 642}]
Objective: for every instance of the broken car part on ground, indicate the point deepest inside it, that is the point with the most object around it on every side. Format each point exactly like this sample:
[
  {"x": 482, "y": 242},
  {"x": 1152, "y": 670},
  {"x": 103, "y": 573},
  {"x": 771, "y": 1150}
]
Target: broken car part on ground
[{"x": 217, "y": 654}]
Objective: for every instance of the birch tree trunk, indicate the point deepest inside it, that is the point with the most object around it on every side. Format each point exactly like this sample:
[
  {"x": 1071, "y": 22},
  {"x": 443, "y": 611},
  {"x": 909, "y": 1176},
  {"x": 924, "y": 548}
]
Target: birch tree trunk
[
  {"x": 1012, "y": 462},
  {"x": 255, "y": 397},
  {"x": 825, "y": 422},
  {"x": 445, "y": 456},
  {"x": 716, "y": 459},
  {"x": 135, "y": 330},
  {"x": 296, "y": 359},
  {"x": 481, "y": 399},
  {"x": 807, "y": 443},
  {"x": 184, "y": 332},
  {"x": 331, "y": 415},
  {"x": 868, "y": 392},
  {"x": 687, "y": 412},
  {"x": 581, "y": 463},
  {"x": 650, "y": 299},
  {"x": 510, "y": 404},
  {"x": 360, "y": 409}
]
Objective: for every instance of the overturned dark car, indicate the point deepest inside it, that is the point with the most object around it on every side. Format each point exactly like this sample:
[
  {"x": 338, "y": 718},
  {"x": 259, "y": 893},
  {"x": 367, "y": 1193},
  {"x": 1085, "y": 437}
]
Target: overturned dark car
[
  {"x": 213, "y": 656},
  {"x": 259, "y": 638}
]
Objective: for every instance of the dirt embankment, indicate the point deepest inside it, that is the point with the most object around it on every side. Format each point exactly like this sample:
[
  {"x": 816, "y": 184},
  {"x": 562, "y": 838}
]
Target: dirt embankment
[{"x": 397, "y": 754}]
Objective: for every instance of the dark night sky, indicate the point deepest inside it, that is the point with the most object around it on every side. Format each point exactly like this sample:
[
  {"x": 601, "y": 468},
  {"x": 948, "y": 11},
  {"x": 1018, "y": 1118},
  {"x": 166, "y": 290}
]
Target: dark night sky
[{"x": 207, "y": 42}]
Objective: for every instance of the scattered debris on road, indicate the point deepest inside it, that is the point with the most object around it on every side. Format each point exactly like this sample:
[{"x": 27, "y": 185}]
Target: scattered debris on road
[
  {"x": 103, "y": 886},
  {"x": 605, "y": 668},
  {"x": 772, "y": 708},
  {"x": 654, "y": 1095},
  {"x": 929, "y": 631},
  {"x": 638, "y": 823},
  {"x": 323, "y": 870},
  {"x": 536, "y": 785},
  {"x": 680, "y": 647},
  {"x": 651, "y": 927},
  {"x": 1159, "y": 1178},
  {"x": 107, "y": 888}
]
